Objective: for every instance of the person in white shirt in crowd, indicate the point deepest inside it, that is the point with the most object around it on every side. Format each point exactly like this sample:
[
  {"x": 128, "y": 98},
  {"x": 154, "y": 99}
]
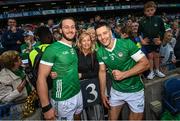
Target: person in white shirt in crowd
[{"x": 168, "y": 58}]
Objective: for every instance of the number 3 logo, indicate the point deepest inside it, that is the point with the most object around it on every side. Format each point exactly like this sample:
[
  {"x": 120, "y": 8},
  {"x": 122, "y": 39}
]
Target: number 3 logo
[{"x": 92, "y": 92}]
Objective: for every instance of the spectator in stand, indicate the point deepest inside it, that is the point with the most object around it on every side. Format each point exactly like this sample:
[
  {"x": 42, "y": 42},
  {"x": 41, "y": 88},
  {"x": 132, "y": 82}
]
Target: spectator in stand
[
  {"x": 175, "y": 28},
  {"x": 135, "y": 37},
  {"x": 167, "y": 51},
  {"x": 56, "y": 34},
  {"x": 91, "y": 32},
  {"x": 151, "y": 31},
  {"x": 117, "y": 30},
  {"x": 13, "y": 37},
  {"x": 13, "y": 84},
  {"x": 91, "y": 22},
  {"x": 50, "y": 24},
  {"x": 28, "y": 46},
  {"x": 129, "y": 22}
]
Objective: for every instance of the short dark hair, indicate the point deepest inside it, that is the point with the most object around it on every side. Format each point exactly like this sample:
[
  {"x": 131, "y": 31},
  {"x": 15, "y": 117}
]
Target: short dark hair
[
  {"x": 71, "y": 18},
  {"x": 44, "y": 34},
  {"x": 100, "y": 24}
]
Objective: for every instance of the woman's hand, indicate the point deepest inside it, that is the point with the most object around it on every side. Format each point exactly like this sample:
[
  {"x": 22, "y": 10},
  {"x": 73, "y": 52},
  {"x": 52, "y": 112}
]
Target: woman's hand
[
  {"x": 21, "y": 86},
  {"x": 53, "y": 75}
]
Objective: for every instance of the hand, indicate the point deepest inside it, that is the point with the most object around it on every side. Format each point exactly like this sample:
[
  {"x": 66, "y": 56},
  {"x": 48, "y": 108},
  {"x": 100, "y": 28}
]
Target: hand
[
  {"x": 13, "y": 29},
  {"x": 118, "y": 75},
  {"x": 28, "y": 41},
  {"x": 80, "y": 75},
  {"x": 174, "y": 61},
  {"x": 157, "y": 41},
  {"x": 145, "y": 41},
  {"x": 105, "y": 101},
  {"x": 21, "y": 86},
  {"x": 53, "y": 75},
  {"x": 50, "y": 114},
  {"x": 18, "y": 42}
]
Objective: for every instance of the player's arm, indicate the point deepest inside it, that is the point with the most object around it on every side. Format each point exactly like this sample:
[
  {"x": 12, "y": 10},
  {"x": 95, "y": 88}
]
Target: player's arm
[
  {"x": 42, "y": 89},
  {"x": 141, "y": 66},
  {"x": 102, "y": 80}
]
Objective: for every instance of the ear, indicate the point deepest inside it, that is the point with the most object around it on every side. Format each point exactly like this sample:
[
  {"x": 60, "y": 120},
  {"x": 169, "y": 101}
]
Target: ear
[{"x": 110, "y": 31}]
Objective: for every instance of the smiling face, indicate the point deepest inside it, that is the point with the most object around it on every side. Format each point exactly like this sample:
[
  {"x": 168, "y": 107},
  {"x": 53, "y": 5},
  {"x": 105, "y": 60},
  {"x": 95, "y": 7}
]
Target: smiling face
[
  {"x": 104, "y": 35},
  {"x": 168, "y": 36},
  {"x": 68, "y": 29},
  {"x": 86, "y": 43},
  {"x": 135, "y": 26},
  {"x": 12, "y": 23}
]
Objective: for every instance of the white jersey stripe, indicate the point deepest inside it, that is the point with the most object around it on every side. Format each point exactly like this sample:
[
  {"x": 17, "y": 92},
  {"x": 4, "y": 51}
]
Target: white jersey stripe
[
  {"x": 138, "y": 55},
  {"x": 101, "y": 63},
  {"x": 46, "y": 63}
]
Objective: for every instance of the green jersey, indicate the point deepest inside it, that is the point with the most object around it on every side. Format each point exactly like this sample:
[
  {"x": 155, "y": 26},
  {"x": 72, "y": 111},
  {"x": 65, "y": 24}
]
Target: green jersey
[
  {"x": 63, "y": 59},
  {"x": 123, "y": 56},
  {"x": 25, "y": 52}
]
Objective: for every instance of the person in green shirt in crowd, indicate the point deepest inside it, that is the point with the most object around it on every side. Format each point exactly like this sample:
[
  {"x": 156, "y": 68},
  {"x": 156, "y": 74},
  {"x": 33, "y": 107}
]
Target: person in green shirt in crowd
[
  {"x": 60, "y": 57},
  {"x": 124, "y": 61},
  {"x": 28, "y": 46}
]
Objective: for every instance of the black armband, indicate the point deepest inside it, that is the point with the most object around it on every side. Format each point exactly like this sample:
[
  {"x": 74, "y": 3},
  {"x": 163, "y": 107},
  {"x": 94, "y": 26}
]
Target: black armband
[{"x": 46, "y": 108}]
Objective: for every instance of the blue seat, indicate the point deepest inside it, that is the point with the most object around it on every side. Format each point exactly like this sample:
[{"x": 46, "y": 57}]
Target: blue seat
[
  {"x": 5, "y": 111},
  {"x": 171, "y": 97},
  {"x": 11, "y": 111}
]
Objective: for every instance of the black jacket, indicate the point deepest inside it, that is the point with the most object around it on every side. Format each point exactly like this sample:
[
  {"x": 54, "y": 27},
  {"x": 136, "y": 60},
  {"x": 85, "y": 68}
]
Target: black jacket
[
  {"x": 87, "y": 65},
  {"x": 151, "y": 27},
  {"x": 9, "y": 39}
]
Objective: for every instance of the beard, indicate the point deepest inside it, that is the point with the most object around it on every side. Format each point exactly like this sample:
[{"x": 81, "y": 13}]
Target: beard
[
  {"x": 108, "y": 44},
  {"x": 68, "y": 39}
]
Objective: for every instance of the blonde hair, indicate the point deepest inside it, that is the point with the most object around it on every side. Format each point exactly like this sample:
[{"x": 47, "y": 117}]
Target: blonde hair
[
  {"x": 8, "y": 58},
  {"x": 90, "y": 29},
  {"x": 81, "y": 37},
  {"x": 150, "y": 4}
]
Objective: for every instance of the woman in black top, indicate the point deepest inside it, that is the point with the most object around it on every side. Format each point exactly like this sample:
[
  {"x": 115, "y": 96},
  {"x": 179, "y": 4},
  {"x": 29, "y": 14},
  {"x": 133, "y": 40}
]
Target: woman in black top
[
  {"x": 88, "y": 69},
  {"x": 87, "y": 62}
]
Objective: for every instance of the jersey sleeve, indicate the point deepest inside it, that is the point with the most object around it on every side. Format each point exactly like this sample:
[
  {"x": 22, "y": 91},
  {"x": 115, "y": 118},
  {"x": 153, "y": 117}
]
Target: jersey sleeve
[
  {"x": 48, "y": 57},
  {"x": 135, "y": 53}
]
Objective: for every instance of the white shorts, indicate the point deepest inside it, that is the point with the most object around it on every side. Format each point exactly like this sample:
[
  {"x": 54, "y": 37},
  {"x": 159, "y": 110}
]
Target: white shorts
[
  {"x": 67, "y": 108},
  {"x": 134, "y": 100}
]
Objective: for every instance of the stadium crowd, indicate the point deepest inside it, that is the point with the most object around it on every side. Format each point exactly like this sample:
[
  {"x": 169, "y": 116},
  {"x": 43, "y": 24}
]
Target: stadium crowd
[{"x": 152, "y": 38}]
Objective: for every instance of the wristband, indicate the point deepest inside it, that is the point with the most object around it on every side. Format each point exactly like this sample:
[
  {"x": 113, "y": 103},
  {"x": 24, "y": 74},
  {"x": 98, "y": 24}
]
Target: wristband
[{"x": 46, "y": 108}]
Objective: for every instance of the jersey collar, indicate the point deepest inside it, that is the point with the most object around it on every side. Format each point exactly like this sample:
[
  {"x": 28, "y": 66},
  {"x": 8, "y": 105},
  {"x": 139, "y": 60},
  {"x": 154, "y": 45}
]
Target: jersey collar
[
  {"x": 65, "y": 43},
  {"x": 110, "y": 50}
]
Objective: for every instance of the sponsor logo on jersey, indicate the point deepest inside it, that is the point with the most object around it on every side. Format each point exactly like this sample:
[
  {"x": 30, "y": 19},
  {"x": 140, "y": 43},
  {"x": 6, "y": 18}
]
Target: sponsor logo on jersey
[
  {"x": 65, "y": 52},
  {"x": 120, "y": 54},
  {"x": 104, "y": 58},
  {"x": 72, "y": 51},
  {"x": 155, "y": 25}
]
